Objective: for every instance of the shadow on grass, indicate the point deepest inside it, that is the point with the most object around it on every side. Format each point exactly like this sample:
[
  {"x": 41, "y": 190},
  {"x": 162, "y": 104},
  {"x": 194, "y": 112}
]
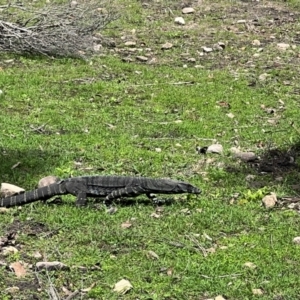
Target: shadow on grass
[
  {"x": 17, "y": 165},
  {"x": 275, "y": 166}
]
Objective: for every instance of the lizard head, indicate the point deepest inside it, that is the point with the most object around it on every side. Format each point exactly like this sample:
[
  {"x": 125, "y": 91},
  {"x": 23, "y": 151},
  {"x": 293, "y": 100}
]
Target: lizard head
[{"x": 184, "y": 187}]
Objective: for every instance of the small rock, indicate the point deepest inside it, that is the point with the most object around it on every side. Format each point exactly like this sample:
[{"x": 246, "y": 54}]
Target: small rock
[
  {"x": 73, "y": 4},
  {"x": 158, "y": 149},
  {"x": 188, "y": 10},
  {"x": 3, "y": 210},
  {"x": 217, "y": 47},
  {"x": 221, "y": 44},
  {"x": 47, "y": 181},
  {"x": 220, "y": 298},
  {"x": 245, "y": 156},
  {"x": 269, "y": 201},
  {"x": 250, "y": 177},
  {"x": 179, "y": 20},
  {"x": 142, "y": 58},
  {"x": 207, "y": 49},
  {"x": 215, "y": 148},
  {"x": 241, "y": 21},
  {"x": 263, "y": 77},
  {"x": 296, "y": 240},
  {"x": 130, "y": 44},
  {"x": 283, "y": 46},
  {"x": 257, "y": 292},
  {"x": 97, "y": 47},
  {"x": 127, "y": 59},
  {"x": 166, "y": 46},
  {"x": 292, "y": 206},
  {"x": 8, "y": 189},
  {"x": 112, "y": 210},
  {"x": 256, "y": 43},
  {"x": 9, "y": 250}
]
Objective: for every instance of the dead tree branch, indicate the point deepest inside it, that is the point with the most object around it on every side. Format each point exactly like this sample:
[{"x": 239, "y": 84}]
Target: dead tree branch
[{"x": 59, "y": 30}]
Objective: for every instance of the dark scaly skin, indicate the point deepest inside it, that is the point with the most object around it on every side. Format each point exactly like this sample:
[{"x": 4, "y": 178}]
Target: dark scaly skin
[{"x": 108, "y": 187}]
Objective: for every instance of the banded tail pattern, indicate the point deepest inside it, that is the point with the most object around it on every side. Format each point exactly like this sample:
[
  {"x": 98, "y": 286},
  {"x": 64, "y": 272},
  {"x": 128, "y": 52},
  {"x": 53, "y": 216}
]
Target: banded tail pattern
[{"x": 35, "y": 195}]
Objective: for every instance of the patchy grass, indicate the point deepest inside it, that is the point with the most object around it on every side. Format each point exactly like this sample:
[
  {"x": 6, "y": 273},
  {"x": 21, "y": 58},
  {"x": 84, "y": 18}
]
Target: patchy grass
[{"x": 111, "y": 114}]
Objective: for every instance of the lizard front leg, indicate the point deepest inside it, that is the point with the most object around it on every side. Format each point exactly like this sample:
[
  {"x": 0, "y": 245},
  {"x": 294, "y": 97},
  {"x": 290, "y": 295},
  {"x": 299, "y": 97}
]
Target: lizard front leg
[{"x": 154, "y": 199}]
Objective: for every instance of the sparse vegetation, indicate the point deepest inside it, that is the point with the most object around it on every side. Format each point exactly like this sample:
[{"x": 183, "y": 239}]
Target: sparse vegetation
[{"x": 116, "y": 114}]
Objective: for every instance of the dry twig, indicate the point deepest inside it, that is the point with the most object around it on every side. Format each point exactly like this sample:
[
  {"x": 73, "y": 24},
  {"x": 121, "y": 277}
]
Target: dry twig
[{"x": 65, "y": 30}]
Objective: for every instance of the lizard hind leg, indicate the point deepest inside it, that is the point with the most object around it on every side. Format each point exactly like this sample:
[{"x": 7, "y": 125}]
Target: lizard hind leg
[
  {"x": 123, "y": 192},
  {"x": 81, "y": 199},
  {"x": 78, "y": 189}
]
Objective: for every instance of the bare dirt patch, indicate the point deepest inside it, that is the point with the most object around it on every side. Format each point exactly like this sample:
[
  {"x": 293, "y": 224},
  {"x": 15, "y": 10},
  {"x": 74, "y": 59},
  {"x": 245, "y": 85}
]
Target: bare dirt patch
[{"x": 237, "y": 26}]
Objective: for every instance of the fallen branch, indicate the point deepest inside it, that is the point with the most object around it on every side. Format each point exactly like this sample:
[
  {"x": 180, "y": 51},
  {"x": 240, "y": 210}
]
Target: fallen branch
[{"x": 65, "y": 30}]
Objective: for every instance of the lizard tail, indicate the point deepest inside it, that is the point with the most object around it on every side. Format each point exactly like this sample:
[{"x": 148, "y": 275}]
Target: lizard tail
[{"x": 35, "y": 195}]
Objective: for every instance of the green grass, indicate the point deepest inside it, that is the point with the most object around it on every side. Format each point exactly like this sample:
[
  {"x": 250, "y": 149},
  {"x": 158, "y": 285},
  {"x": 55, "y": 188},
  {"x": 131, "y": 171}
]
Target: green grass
[{"x": 106, "y": 116}]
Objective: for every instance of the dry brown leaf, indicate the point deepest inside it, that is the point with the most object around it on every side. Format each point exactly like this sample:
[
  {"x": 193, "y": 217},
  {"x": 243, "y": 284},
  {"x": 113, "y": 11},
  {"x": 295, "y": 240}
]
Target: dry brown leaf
[
  {"x": 257, "y": 291},
  {"x": 15, "y": 165},
  {"x": 66, "y": 291},
  {"x": 18, "y": 269},
  {"x": 37, "y": 255},
  {"x": 152, "y": 254},
  {"x": 155, "y": 215},
  {"x": 51, "y": 265},
  {"x": 6, "y": 251},
  {"x": 185, "y": 211},
  {"x": 207, "y": 236},
  {"x": 250, "y": 265},
  {"x": 126, "y": 224},
  {"x": 89, "y": 288},
  {"x": 211, "y": 250},
  {"x": 123, "y": 286},
  {"x": 224, "y": 104},
  {"x": 112, "y": 210},
  {"x": 230, "y": 115},
  {"x": 170, "y": 272},
  {"x": 159, "y": 209},
  {"x": 12, "y": 290}
]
